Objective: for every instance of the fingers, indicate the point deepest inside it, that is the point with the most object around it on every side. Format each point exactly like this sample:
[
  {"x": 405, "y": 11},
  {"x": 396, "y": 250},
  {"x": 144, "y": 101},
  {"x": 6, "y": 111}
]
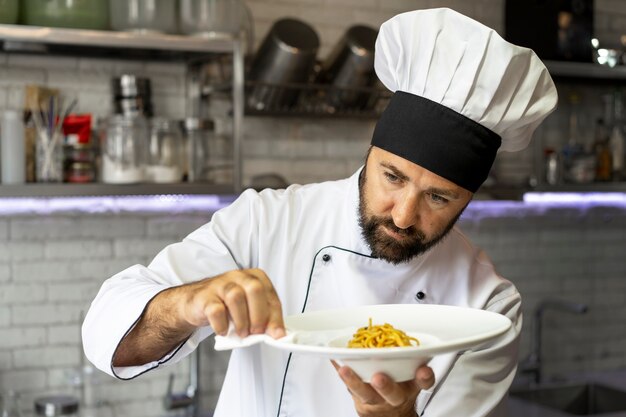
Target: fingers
[
  {"x": 362, "y": 392},
  {"x": 390, "y": 391},
  {"x": 424, "y": 377},
  {"x": 247, "y": 298}
]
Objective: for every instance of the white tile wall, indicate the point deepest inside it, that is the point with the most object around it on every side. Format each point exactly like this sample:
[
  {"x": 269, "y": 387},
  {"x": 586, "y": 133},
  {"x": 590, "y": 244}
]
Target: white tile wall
[{"x": 51, "y": 267}]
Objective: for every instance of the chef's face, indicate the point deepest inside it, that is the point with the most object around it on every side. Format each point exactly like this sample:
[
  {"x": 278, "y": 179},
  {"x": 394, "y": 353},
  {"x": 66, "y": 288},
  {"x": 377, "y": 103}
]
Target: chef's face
[{"x": 405, "y": 209}]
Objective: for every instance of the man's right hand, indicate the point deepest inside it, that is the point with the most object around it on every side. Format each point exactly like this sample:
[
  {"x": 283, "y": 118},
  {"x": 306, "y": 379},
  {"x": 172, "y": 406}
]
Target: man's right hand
[{"x": 245, "y": 297}]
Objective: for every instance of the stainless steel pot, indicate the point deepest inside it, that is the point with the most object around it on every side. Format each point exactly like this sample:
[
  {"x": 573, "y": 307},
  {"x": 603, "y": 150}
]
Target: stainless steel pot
[
  {"x": 286, "y": 56},
  {"x": 350, "y": 67}
]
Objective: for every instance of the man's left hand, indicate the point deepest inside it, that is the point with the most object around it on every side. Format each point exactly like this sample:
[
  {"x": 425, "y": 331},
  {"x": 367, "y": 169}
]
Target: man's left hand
[{"x": 383, "y": 397}]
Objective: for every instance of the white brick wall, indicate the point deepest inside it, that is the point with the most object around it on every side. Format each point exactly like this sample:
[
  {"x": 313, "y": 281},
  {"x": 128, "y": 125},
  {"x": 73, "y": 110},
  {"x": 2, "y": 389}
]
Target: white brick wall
[{"x": 576, "y": 254}]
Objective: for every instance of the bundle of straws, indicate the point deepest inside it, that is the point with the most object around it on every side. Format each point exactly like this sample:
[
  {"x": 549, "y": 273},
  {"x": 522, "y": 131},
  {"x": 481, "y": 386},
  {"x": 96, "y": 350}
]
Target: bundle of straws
[{"x": 49, "y": 123}]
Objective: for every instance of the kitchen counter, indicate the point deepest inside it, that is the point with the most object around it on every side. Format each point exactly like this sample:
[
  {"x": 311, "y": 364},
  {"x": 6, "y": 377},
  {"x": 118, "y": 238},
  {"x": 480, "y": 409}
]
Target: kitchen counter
[{"x": 613, "y": 379}]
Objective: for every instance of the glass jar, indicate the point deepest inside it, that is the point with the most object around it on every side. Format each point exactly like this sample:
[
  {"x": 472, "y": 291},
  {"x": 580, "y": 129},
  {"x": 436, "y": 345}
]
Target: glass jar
[
  {"x": 8, "y": 11},
  {"x": 79, "y": 14},
  {"x": 165, "y": 153},
  {"x": 144, "y": 15},
  {"x": 123, "y": 149},
  {"x": 200, "y": 135},
  {"x": 9, "y": 404},
  {"x": 204, "y": 17}
]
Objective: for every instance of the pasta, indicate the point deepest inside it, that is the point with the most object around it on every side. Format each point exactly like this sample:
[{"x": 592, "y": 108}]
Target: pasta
[{"x": 377, "y": 336}]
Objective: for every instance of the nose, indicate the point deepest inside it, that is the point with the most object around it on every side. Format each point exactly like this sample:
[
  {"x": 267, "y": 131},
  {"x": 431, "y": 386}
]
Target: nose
[{"x": 405, "y": 212}]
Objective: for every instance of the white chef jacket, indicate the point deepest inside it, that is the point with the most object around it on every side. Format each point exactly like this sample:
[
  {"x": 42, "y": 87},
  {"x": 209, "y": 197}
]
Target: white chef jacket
[{"x": 308, "y": 241}]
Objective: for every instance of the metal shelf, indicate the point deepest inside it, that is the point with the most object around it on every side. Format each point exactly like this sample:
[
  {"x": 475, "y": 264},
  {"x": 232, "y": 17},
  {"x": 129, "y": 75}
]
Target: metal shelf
[
  {"x": 97, "y": 189},
  {"x": 594, "y": 187},
  {"x": 583, "y": 71},
  {"x": 60, "y": 41}
]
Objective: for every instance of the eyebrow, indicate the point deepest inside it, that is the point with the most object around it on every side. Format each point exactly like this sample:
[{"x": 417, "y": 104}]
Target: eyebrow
[{"x": 434, "y": 190}]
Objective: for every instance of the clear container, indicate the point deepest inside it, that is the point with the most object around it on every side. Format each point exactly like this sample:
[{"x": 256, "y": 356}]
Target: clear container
[
  {"x": 8, "y": 11},
  {"x": 165, "y": 153},
  {"x": 9, "y": 404},
  {"x": 56, "y": 406},
  {"x": 124, "y": 142},
  {"x": 208, "y": 17},
  {"x": 158, "y": 16},
  {"x": 79, "y": 14},
  {"x": 200, "y": 135}
]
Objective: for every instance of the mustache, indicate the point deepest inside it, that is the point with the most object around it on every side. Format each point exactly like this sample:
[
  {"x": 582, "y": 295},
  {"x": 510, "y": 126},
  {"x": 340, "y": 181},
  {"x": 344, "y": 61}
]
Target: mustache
[{"x": 410, "y": 231}]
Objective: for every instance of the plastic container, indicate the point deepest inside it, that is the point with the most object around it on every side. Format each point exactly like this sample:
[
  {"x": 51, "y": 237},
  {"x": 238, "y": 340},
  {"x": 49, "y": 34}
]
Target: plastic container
[
  {"x": 78, "y": 14},
  {"x": 12, "y": 148},
  {"x": 9, "y": 11},
  {"x": 158, "y": 16},
  {"x": 124, "y": 141}
]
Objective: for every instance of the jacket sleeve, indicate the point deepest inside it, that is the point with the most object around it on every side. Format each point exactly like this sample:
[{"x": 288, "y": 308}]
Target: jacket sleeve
[
  {"x": 226, "y": 243},
  {"x": 478, "y": 380}
]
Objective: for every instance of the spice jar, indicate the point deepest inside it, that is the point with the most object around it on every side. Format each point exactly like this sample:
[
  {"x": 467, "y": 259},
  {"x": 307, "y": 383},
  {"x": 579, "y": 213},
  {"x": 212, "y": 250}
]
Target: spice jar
[{"x": 80, "y": 173}]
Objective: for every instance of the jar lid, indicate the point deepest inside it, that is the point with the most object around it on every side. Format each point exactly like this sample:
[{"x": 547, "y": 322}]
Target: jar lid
[
  {"x": 194, "y": 123},
  {"x": 81, "y": 165},
  {"x": 56, "y": 405}
]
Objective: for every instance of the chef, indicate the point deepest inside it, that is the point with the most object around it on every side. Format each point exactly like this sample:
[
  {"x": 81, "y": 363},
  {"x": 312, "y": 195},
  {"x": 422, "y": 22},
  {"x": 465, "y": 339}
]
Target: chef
[{"x": 385, "y": 235}]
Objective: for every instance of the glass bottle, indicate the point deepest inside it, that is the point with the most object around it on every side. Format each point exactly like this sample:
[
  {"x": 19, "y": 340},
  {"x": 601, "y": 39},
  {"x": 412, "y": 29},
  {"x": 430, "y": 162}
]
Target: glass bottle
[
  {"x": 573, "y": 149},
  {"x": 200, "y": 134},
  {"x": 10, "y": 404},
  {"x": 604, "y": 161},
  {"x": 616, "y": 141}
]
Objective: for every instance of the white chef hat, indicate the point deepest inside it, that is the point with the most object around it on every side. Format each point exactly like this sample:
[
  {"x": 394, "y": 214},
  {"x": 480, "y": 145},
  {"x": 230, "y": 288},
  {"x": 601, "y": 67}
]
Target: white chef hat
[{"x": 460, "y": 93}]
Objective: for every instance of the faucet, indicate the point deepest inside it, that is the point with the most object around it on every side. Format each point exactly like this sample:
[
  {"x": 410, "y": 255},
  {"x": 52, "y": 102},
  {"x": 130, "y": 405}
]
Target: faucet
[
  {"x": 532, "y": 363},
  {"x": 190, "y": 398}
]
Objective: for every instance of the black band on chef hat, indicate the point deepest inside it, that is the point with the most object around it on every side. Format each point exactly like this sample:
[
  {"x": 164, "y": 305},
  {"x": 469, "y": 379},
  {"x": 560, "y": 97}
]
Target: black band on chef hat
[{"x": 437, "y": 138}]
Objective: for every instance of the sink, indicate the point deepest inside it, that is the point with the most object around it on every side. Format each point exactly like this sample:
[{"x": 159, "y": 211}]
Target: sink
[{"x": 587, "y": 399}]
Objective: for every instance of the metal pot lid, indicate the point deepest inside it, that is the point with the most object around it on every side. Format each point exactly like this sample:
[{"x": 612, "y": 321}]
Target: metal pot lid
[{"x": 56, "y": 405}]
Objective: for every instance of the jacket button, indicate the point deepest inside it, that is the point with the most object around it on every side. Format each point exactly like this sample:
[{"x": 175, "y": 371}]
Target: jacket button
[
  {"x": 420, "y": 295},
  {"x": 326, "y": 257}
]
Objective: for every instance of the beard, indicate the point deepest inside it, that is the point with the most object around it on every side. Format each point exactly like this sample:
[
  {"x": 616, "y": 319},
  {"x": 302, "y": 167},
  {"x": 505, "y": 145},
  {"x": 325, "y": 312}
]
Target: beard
[{"x": 413, "y": 241}]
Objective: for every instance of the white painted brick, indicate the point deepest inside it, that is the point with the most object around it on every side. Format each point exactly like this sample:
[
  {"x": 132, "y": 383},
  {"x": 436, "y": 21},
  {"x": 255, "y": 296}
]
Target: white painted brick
[
  {"x": 167, "y": 84},
  {"x": 21, "y": 251},
  {"x": 78, "y": 249},
  {"x": 73, "y": 292},
  {"x": 22, "y": 76},
  {"x": 100, "y": 65},
  {"x": 47, "y": 356},
  {"x": 45, "y": 314},
  {"x": 297, "y": 148},
  {"x": 255, "y": 147},
  {"x": 41, "y": 271},
  {"x": 129, "y": 67},
  {"x": 6, "y": 360},
  {"x": 139, "y": 247},
  {"x": 174, "y": 228},
  {"x": 301, "y": 171},
  {"x": 4, "y": 96},
  {"x": 24, "y": 380},
  {"x": 355, "y": 149},
  {"x": 99, "y": 270},
  {"x": 5, "y": 273},
  {"x": 64, "y": 334},
  {"x": 111, "y": 226},
  {"x": 5, "y": 317},
  {"x": 44, "y": 228},
  {"x": 95, "y": 102},
  {"x": 38, "y": 61},
  {"x": 22, "y": 337},
  {"x": 139, "y": 408},
  {"x": 14, "y": 294},
  {"x": 119, "y": 389}
]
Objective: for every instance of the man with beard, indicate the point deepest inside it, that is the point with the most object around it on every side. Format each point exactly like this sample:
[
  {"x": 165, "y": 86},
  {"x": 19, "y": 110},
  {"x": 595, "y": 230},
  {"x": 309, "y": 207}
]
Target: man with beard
[{"x": 385, "y": 235}]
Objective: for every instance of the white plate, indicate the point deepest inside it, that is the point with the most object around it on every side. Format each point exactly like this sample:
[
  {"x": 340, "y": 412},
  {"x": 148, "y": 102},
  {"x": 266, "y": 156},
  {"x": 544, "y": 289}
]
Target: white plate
[{"x": 439, "y": 328}]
